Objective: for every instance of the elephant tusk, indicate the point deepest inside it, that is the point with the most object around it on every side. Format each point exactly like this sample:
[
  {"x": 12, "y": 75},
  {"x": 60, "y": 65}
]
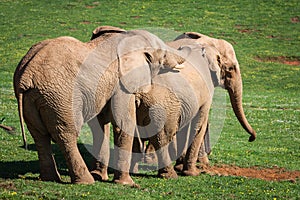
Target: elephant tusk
[{"x": 178, "y": 67}]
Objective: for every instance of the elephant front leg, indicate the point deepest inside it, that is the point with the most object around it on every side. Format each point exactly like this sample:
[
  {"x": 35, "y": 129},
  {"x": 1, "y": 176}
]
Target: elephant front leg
[
  {"x": 122, "y": 157},
  {"x": 77, "y": 168},
  {"x": 189, "y": 165}
]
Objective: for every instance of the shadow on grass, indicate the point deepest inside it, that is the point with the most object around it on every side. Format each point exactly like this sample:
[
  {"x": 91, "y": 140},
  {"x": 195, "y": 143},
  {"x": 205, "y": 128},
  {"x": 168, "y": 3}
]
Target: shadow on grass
[
  {"x": 30, "y": 169},
  {"x": 17, "y": 169}
]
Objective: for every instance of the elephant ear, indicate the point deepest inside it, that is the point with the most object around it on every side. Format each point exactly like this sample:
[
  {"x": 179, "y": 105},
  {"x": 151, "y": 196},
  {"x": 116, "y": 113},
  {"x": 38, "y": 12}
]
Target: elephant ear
[
  {"x": 228, "y": 57},
  {"x": 105, "y": 29},
  {"x": 134, "y": 70},
  {"x": 214, "y": 63},
  {"x": 213, "y": 57}
]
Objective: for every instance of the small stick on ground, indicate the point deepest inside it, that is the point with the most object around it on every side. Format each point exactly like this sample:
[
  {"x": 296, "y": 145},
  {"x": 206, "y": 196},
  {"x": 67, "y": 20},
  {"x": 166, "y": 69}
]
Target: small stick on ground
[{"x": 9, "y": 129}]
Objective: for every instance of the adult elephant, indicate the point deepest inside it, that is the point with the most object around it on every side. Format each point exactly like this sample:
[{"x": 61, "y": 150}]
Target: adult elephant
[
  {"x": 176, "y": 100},
  {"x": 179, "y": 99},
  {"x": 62, "y": 83}
]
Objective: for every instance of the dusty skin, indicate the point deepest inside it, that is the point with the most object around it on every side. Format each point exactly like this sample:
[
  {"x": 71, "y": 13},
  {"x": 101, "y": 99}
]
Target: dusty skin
[{"x": 269, "y": 174}]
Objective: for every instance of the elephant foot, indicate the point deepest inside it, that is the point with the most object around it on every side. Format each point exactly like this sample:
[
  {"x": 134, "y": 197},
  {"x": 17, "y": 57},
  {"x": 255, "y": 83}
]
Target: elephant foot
[
  {"x": 50, "y": 178},
  {"x": 99, "y": 176},
  {"x": 84, "y": 180},
  {"x": 123, "y": 178},
  {"x": 99, "y": 171},
  {"x": 167, "y": 172},
  {"x": 193, "y": 171},
  {"x": 50, "y": 175}
]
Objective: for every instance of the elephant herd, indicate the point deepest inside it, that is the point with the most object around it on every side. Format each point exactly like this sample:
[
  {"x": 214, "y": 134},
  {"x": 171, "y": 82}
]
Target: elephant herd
[{"x": 149, "y": 90}]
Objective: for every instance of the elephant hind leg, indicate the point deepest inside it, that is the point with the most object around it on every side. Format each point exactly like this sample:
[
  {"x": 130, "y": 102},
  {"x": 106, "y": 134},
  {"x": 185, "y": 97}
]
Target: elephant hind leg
[
  {"x": 64, "y": 132},
  {"x": 48, "y": 170},
  {"x": 42, "y": 139},
  {"x": 77, "y": 168},
  {"x": 161, "y": 144},
  {"x": 48, "y": 167}
]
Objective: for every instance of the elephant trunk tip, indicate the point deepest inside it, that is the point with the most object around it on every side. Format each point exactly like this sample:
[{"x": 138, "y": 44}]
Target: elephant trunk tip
[{"x": 252, "y": 137}]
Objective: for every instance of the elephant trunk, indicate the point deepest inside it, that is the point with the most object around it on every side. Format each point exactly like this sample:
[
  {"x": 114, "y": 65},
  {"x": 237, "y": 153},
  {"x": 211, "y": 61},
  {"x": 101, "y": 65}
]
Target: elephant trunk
[{"x": 235, "y": 92}]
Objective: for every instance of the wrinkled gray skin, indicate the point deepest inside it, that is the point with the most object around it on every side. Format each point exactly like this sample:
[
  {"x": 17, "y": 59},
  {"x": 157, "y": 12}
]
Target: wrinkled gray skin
[
  {"x": 62, "y": 83},
  {"x": 216, "y": 61}
]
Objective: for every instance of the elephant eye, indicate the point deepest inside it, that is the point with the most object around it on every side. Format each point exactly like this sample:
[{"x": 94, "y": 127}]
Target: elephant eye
[{"x": 231, "y": 68}]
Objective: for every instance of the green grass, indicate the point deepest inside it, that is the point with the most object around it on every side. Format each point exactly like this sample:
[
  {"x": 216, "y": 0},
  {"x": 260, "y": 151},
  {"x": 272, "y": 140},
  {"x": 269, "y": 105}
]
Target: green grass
[{"x": 271, "y": 92}]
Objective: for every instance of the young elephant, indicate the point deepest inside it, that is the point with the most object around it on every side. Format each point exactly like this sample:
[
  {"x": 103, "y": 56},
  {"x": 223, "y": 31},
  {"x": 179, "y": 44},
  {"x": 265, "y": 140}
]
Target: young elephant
[{"x": 62, "y": 83}]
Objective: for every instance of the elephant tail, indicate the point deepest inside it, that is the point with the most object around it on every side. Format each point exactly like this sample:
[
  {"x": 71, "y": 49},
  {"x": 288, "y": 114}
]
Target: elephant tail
[{"x": 21, "y": 117}]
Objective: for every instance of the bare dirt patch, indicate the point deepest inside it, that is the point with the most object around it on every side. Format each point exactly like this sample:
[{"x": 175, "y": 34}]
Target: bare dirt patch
[
  {"x": 295, "y": 19},
  {"x": 244, "y": 29},
  {"x": 269, "y": 174},
  {"x": 85, "y": 22},
  {"x": 293, "y": 61}
]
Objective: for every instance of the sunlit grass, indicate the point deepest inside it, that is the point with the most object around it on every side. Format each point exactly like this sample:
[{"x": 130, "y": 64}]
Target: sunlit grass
[{"x": 271, "y": 93}]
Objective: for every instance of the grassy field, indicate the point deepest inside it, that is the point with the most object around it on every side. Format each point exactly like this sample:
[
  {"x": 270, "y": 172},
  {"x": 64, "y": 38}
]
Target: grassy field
[{"x": 265, "y": 35}]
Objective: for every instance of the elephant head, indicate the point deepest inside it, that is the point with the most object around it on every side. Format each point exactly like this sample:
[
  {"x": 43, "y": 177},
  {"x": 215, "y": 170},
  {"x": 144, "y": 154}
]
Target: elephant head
[
  {"x": 140, "y": 49},
  {"x": 229, "y": 76}
]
